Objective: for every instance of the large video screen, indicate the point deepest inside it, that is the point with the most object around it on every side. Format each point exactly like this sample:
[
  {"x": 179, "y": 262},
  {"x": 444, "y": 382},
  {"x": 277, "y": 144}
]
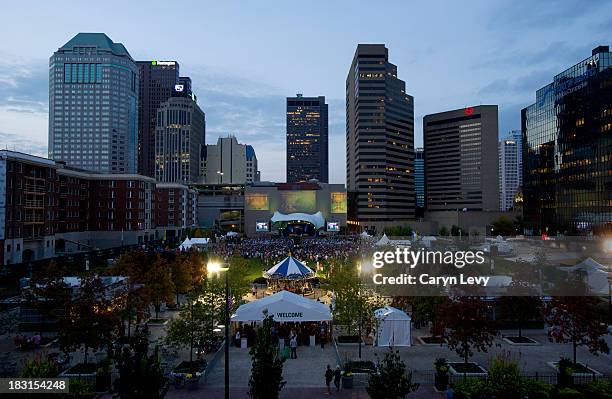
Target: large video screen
[
  {"x": 333, "y": 226},
  {"x": 257, "y": 202},
  {"x": 338, "y": 203},
  {"x": 298, "y": 201},
  {"x": 262, "y": 227}
]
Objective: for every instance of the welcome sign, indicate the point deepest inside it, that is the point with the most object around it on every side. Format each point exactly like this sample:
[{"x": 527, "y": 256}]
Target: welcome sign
[{"x": 287, "y": 315}]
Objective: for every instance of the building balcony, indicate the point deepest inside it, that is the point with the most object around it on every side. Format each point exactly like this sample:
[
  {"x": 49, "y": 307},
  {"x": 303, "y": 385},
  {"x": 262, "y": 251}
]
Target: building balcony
[
  {"x": 34, "y": 188},
  {"x": 34, "y": 219}
]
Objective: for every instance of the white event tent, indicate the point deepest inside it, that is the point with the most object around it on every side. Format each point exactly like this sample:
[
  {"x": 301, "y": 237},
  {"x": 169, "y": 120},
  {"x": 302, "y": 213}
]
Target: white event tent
[
  {"x": 285, "y": 306},
  {"x": 596, "y": 275},
  {"x": 392, "y": 327},
  {"x": 193, "y": 242}
]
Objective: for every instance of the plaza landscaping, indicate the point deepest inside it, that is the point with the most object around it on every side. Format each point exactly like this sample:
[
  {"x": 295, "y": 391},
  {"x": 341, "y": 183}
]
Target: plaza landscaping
[{"x": 168, "y": 316}]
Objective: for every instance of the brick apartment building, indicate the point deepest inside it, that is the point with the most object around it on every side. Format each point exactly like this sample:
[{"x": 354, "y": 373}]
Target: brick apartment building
[{"x": 47, "y": 207}]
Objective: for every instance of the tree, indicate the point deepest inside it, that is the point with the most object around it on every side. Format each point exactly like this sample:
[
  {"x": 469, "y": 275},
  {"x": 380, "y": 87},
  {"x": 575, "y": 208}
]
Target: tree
[
  {"x": 266, "y": 379},
  {"x": 391, "y": 381},
  {"x": 48, "y": 293},
  {"x": 443, "y": 231},
  {"x": 466, "y": 326},
  {"x": 182, "y": 279},
  {"x": 89, "y": 320},
  {"x": 456, "y": 231},
  {"x": 503, "y": 226},
  {"x": 523, "y": 303},
  {"x": 195, "y": 324},
  {"x": 425, "y": 309},
  {"x": 350, "y": 298},
  {"x": 135, "y": 265},
  {"x": 579, "y": 321},
  {"x": 140, "y": 374},
  {"x": 158, "y": 286}
]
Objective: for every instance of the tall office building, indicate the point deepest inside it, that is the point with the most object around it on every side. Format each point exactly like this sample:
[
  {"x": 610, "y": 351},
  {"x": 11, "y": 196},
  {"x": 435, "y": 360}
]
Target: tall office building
[
  {"x": 179, "y": 137},
  {"x": 510, "y": 169},
  {"x": 379, "y": 140},
  {"x": 229, "y": 162},
  {"x": 307, "y": 139},
  {"x": 93, "y": 97},
  {"x": 461, "y": 167},
  {"x": 419, "y": 180},
  {"x": 567, "y": 144},
  {"x": 157, "y": 81},
  {"x": 509, "y": 173}
]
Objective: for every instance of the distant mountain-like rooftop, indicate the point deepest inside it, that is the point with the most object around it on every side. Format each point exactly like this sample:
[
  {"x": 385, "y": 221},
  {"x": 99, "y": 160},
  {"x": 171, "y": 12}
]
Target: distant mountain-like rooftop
[{"x": 99, "y": 40}]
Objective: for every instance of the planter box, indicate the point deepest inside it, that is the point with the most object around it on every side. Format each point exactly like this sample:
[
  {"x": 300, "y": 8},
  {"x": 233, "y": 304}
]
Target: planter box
[
  {"x": 587, "y": 372},
  {"x": 425, "y": 341},
  {"x": 157, "y": 322},
  {"x": 347, "y": 382},
  {"x": 474, "y": 369},
  {"x": 348, "y": 342},
  {"x": 523, "y": 341}
]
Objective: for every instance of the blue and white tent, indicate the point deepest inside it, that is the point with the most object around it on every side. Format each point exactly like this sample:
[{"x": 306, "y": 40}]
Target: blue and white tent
[{"x": 289, "y": 269}]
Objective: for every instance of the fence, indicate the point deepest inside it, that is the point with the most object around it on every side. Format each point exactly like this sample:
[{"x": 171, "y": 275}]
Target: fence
[{"x": 427, "y": 377}]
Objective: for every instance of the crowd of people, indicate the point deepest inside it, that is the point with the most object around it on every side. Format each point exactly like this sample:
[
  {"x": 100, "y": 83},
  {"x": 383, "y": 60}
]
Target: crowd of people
[{"x": 274, "y": 249}]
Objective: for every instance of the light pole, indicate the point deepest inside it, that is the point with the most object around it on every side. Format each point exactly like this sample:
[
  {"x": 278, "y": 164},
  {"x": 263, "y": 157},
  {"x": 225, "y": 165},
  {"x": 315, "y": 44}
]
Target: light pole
[
  {"x": 217, "y": 268},
  {"x": 360, "y": 307},
  {"x": 220, "y": 176}
]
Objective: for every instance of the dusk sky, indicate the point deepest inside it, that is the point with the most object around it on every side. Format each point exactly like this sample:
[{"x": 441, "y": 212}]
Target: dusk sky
[{"x": 245, "y": 57}]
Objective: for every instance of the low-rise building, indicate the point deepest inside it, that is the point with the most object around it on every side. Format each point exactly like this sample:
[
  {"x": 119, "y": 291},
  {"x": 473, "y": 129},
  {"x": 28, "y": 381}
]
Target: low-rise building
[{"x": 47, "y": 207}]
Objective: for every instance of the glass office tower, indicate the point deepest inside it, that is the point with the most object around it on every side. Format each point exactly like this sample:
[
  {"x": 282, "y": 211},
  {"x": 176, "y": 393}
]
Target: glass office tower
[
  {"x": 379, "y": 141},
  {"x": 567, "y": 144},
  {"x": 307, "y": 139},
  {"x": 93, "y": 96},
  {"x": 419, "y": 181}
]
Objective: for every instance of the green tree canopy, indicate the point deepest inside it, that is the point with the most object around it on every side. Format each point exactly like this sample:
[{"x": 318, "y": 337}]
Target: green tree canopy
[{"x": 266, "y": 379}]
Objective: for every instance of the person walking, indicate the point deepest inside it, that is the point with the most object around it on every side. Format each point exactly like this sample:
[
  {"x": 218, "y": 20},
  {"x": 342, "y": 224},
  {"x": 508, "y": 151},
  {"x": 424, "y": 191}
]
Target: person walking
[
  {"x": 329, "y": 376},
  {"x": 337, "y": 376},
  {"x": 293, "y": 346}
]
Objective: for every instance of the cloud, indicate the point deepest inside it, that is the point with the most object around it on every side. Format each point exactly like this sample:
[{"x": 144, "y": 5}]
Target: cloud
[
  {"x": 532, "y": 15},
  {"x": 24, "y": 84},
  {"x": 16, "y": 142},
  {"x": 255, "y": 113}
]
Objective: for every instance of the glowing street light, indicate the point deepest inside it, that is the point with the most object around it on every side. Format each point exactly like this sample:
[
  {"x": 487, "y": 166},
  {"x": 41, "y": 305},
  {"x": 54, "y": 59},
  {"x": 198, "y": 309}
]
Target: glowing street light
[{"x": 216, "y": 268}]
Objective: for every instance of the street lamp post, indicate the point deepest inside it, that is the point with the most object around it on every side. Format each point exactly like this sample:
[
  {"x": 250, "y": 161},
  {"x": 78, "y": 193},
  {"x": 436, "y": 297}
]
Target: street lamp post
[
  {"x": 220, "y": 175},
  {"x": 217, "y": 268}
]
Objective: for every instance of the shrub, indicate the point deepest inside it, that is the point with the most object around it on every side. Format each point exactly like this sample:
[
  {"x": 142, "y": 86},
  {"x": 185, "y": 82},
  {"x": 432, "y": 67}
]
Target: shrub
[
  {"x": 568, "y": 393},
  {"x": 260, "y": 280},
  {"x": 39, "y": 368},
  {"x": 537, "y": 389},
  {"x": 470, "y": 388},
  {"x": 601, "y": 389}
]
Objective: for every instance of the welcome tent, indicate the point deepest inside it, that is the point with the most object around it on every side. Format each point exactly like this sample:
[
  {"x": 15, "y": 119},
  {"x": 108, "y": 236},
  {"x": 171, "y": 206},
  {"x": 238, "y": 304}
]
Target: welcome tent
[
  {"x": 284, "y": 306},
  {"x": 392, "y": 327}
]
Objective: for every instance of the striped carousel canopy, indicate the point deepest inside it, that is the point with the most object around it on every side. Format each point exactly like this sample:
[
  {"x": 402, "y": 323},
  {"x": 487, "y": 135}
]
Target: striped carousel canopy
[{"x": 289, "y": 269}]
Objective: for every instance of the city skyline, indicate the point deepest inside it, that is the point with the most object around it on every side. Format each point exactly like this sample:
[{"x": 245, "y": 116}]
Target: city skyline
[{"x": 247, "y": 100}]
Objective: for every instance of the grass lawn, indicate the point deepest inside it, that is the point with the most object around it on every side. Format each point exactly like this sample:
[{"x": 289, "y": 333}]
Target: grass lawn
[{"x": 255, "y": 269}]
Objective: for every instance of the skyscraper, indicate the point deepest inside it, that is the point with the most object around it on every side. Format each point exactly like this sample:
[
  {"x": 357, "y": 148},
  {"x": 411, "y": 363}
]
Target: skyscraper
[
  {"x": 419, "y": 180},
  {"x": 307, "y": 139},
  {"x": 567, "y": 144},
  {"x": 379, "y": 140},
  {"x": 461, "y": 167},
  {"x": 157, "y": 81},
  {"x": 229, "y": 162},
  {"x": 510, "y": 173},
  {"x": 179, "y": 137},
  {"x": 93, "y": 96}
]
